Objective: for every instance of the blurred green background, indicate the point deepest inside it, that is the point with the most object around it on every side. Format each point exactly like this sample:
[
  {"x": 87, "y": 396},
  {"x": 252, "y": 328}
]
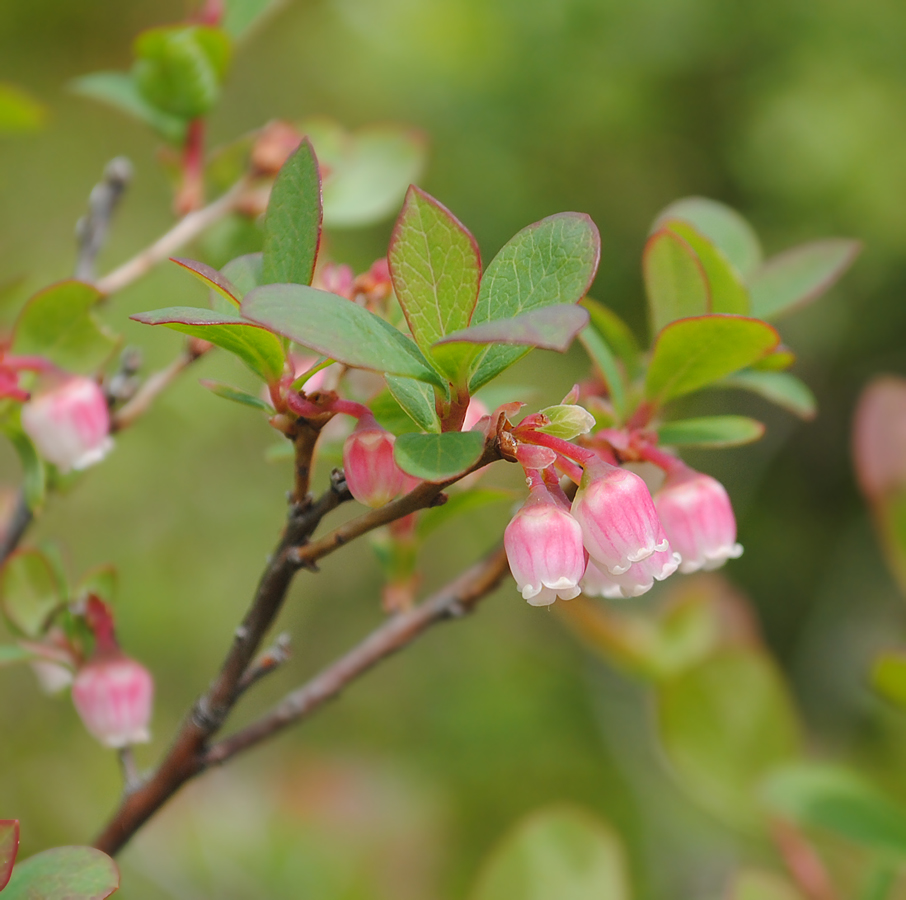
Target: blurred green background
[{"x": 792, "y": 112}]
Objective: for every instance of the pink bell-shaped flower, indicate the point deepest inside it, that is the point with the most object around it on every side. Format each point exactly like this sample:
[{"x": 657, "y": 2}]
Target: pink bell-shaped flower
[
  {"x": 372, "y": 474},
  {"x": 620, "y": 525},
  {"x": 698, "y": 519},
  {"x": 638, "y": 579},
  {"x": 69, "y": 424},
  {"x": 111, "y": 692},
  {"x": 544, "y": 547}
]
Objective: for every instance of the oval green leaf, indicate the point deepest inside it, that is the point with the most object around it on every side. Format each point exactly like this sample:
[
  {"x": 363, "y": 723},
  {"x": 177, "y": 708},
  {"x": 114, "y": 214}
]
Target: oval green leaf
[
  {"x": 260, "y": 350},
  {"x": 551, "y": 262},
  {"x": 438, "y": 457},
  {"x": 416, "y": 399},
  {"x": 781, "y": 388},
  {"x": 675, "y": 280},
  {"x": 64, "y": 873},
  {"x": 244, "y": 273},
  {"x": 840, "y": 801},
  {"x": 237, "y": 396},
  {"x": 800, "y": 275},
  {"x": 34, "y": 473},
  {"x": 9, "y": 847},
  {"x": 215, "y": 280},
  {"x": 292, "y": 225},
  {"x": 712, "y": 432},
  {"x": 560, "y": 853},
  {"x": 692, "y": 353},
  {"x": 617, "y": 334},
  {"x": 551, "y": 328},
  {"x": 603, "y": 359},
  {"x": 29, "y": 591}
]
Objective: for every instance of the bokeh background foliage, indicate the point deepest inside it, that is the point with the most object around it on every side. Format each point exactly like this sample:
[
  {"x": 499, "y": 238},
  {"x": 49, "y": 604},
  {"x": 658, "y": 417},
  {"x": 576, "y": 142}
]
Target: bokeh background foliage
[{"x": 791, "y": 112}]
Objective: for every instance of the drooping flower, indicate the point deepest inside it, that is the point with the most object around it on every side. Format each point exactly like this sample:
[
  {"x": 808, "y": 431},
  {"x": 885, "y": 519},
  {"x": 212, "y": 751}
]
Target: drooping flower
[
  {"x": 620, "y": 525},
  {"x": 544, "y": 547},
  {"x": 372, "y": 474},
  {"x": 69, "y": 424},
  {"x": 638, "y": 579},
  {"x": 698, "y": 519}
]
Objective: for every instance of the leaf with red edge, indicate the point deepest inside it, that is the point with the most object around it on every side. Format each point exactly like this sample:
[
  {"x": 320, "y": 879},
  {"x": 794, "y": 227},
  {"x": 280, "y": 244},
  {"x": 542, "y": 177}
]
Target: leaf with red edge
[
  {"x": 550, "y": 328},
  {"x": 675, "y": 280},
  {"x": 64, "y": 873},
  {"x": 29, "y": 591},
  {"x": 9, "y": 847},
  {"x": 211, "y": 277}
]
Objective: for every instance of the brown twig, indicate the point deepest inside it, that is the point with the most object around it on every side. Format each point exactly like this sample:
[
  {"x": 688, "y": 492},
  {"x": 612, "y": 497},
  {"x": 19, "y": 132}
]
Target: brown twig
[
  {"x": 268, "y": 662},
  {"x": 92, "y": 228},
  {"x": 16, "y": 526}
]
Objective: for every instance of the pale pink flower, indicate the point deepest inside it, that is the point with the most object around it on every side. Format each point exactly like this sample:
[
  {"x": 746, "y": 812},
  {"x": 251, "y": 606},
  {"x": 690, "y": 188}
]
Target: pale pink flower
[
  {"x": 544, "y": 547},
  {"x": 372, "y": 474},
  {"x": 475, "y": 411},
  {"x": 620, "y": 525},
  {"x": 638, "y": 579},
  {"x": 698, "y": 519},
  {"x": 69, "y": 424}
]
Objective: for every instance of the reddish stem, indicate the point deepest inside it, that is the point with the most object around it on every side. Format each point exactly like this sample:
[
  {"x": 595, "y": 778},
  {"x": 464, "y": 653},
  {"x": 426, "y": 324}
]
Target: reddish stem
[
  {"x": 666, "y": 461},
  {"x": 558, "y": 445},
  {"x": 191, "y": 192}
]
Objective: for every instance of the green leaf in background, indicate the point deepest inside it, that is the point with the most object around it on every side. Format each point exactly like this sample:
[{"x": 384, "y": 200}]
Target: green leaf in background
[
  {"x": 119, "y": 90},
  {"x": 567, "y": 421},
  {"x": 292, "y": 225},
  {"x": 244, "y": 273},
  {"x": 337, "y": 328},
  {"x": 416, "y": 399},
  {"x": 260, "y": 350},
  {"x": 617, "y": 334},
  {"x": 9, "y": 847},
  {"x": 781, "y": 388},
  {"x": 391, "y": 415},
  {"x": 800, "y": 275},
  {"x": 603, "y": 359},
  {"x": 437, "y": 457},
  {"x": 675, "y": 280},
  {"x": 459, "y": 504},
  {"x": 29, "y": 591},
  {"x": 776, "y": 361},
  {"x": 367, "y": 172},
  {"x": 888, "y": 677},
  {"x": 754, "y": 885},
  {"x": 550, "y": 328},
  {"x": 551, "y": 262},
  {"x": 436, "y": 267},
  {"x": 723, "y": 226},
  {"x": 237, "y": 396},
  {"x": 102, "y": 581},
  {"x": 692, "y": 353},
  {"x": 10, "y": 655},
  {"x": 728, "y": 293},
  {"x": 58, "y": 323},
  {"x": 560, "y": 853},
  {"x": 64, "y": 873},
  {"x": 179, "y": 68},
  {"x": 835, "y": 799},
  {"x": 242, "y": 16},
  {"x": 20, "y": 113},
  {"x": 34, "y": 473},
  {"x": 710, "y": 431},
  {"x": 719, "y": 747},
  {"x": 215, "y": 280}
]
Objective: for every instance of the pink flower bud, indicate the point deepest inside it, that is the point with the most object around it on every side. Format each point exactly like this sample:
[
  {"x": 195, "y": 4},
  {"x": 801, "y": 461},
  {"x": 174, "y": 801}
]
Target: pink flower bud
[
  {"x": 638, "y": 579},
  {"x": 70, "y": 424},
  {"x": 372, "y": 474},
  {"x": 544, "y": 547},
  {"x": 698, "y": 519},
  {"x": 112, "y": 695},
  {"x": 620, "y": 525},
  {"x": 475, "y": 411}
]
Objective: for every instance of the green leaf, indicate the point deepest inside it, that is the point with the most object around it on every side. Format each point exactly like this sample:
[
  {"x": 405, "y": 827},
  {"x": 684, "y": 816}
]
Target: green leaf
[
  {"x": 675, "y": 280},
  {"x": 10, "y": 655},
  {"x": 779, "y": 387},
  {"x": 337, "y": 328},
  {"x": 754, "y": 885},
  {"x": 416, "y": 399},
  {"x": 459, "y": 504},
  {"x": 260, "y": 350},
  {"x": 64, "y": 873},
  {"x": 367, "y": 172},
  {"x": 567, "y": 421},
  {"x": 179, "y": 68},
  {"x": 101, "y": 581},
  {"x": 888, "y": 677},
  {"x": 292, "y": 225},
  {"x": 616, "y": 333},
  {"x": 34, "y": 473},
  {"x": 721, "y": 748},
  {"x": 19, "y": 112},
  {"x": 215, "y": 280},
  {"x": 435, "y": 266},
  {"x": 780, "y": 359},
  {"x": 692, "y": 353},
  {"x": 838, "y": 800},
  {"x": 58, "y": 323},
  {"x": 603, "y": 359},
  {"x": 244, "y": 273},
  {"x": 438, "y": 457},
  {"x": 9, "y": 847},
  {"x": 237, "y": 396},
  {"x": 728, "y": 293},
  {"x": 798, "y": 276},
  {"x": 560, "y": 853},
  {"x": 29, "y": 591},
  {"x": 551, "y": 262},
  {"x": 119, "y": 90},
  {"x": 710, "y": 431},
  {"x": 550, "y": 328},
  {"x": 723, "y": 226},
  {"x": 244, "y": 15}
]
